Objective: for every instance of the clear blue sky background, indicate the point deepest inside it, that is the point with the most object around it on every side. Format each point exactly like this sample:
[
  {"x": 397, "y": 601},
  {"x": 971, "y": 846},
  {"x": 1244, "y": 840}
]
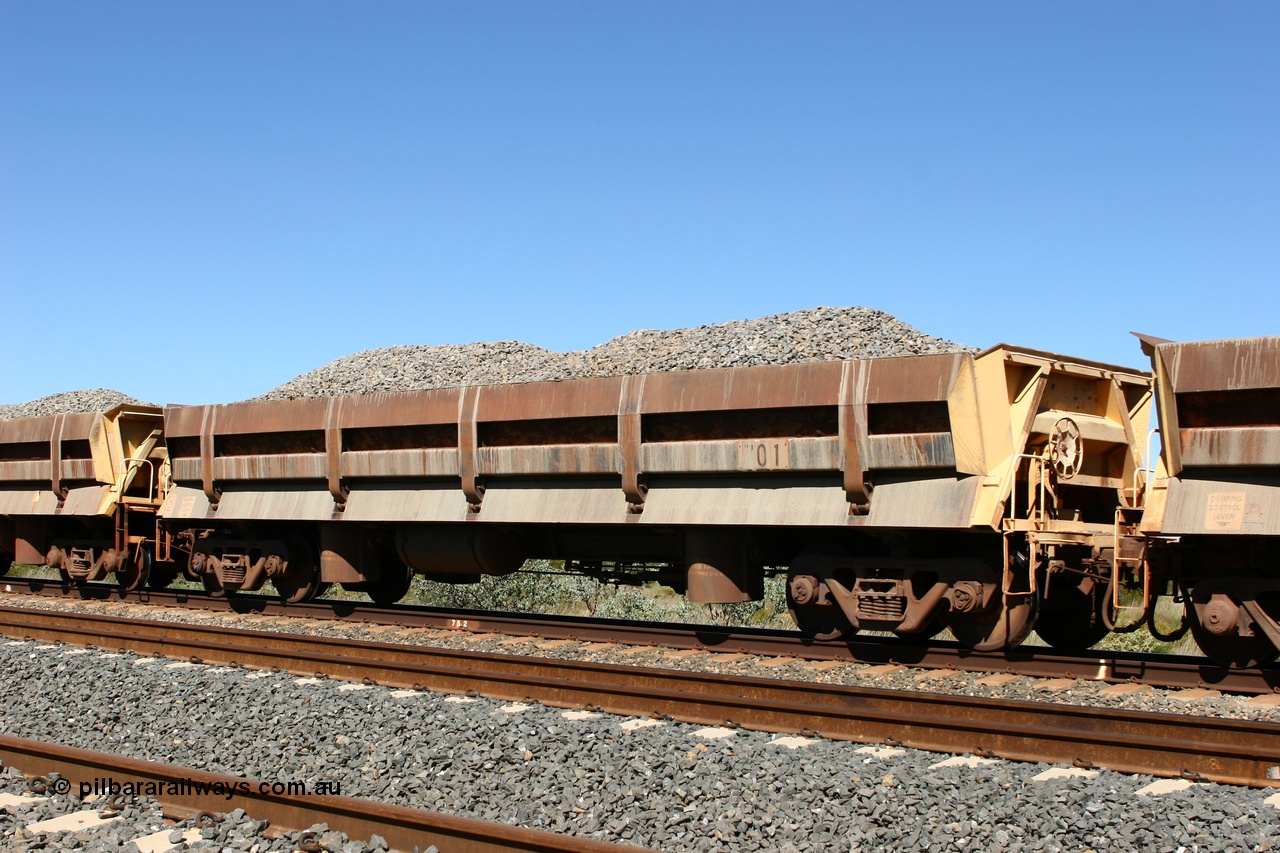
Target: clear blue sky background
[{"x": 199, "y": 201}]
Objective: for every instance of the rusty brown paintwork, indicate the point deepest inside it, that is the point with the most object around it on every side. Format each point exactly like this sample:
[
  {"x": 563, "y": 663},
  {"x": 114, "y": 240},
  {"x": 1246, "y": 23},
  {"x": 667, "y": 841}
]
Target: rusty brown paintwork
[
  {"x": 1216, "y": 488},
  {"x": 1219, "y": 407},
  {"x": 724, "y": 420},
  {"x": 922, "y": 442},
  {"x": 1200, "y": 381}
]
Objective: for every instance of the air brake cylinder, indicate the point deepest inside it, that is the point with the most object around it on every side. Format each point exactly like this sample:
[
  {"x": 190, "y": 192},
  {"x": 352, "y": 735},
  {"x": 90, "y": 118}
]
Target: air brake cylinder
[{"x": 719, "y": 571}]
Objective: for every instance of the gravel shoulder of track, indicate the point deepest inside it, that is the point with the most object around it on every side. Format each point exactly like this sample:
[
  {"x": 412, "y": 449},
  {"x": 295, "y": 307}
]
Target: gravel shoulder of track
[
  {"x": 137, "y": 817},
  {"x": 667, "y": 786}
]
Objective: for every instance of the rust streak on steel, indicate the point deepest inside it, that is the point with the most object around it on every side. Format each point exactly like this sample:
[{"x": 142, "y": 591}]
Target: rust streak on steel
[
  {"x": 403, "y": 828},
  {"x": 1038, "y": 662},
  {"x": 1230, "y": 751}
]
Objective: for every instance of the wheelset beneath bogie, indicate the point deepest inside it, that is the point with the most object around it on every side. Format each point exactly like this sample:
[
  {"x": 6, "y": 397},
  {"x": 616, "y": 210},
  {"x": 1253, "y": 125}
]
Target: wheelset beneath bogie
[
  {"x": 832, "y": 595},
  {"x": 1235, "y": 619},
  {"x": 231, "y": 562},
  {"x": 1073, "y": 613},
  {"x": 133, "y": 566}
]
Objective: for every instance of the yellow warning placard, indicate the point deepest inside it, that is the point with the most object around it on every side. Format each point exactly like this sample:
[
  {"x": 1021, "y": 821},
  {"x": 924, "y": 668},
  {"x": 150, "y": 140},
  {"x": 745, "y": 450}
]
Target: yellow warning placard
[{"x": 1225, "y": 511}]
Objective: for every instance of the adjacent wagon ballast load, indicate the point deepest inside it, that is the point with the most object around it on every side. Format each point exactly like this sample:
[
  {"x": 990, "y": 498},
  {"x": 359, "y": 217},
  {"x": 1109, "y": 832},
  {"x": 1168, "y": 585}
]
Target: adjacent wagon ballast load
[{"x": 904, "y": 494}]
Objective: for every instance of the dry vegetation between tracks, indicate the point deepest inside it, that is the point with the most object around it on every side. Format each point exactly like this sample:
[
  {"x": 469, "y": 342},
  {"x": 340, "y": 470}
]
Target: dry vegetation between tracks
[{"x": 543, "y": 587}]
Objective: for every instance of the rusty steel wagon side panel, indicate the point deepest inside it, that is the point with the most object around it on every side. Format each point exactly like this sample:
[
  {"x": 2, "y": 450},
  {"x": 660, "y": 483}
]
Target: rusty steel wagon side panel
[
  {"x": 925, "y": 441},
  {"x": 1219, "y": 406},
  {"x": 710, "y": 472},
  {"x": 788, "y": 444}
]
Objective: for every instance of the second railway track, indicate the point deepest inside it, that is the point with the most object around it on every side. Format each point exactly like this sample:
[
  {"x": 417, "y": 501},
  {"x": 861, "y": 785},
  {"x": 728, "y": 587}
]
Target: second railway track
[
  {"x": 1230, "y": 751},
  {"x": 1039, "y": 662}
]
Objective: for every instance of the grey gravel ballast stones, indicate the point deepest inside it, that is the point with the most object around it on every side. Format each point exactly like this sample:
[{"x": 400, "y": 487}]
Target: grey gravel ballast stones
[
  {"x": 816, "y": 334},
  {"x": 69, "y": 402},
  {"x": 661, "y": 786}
]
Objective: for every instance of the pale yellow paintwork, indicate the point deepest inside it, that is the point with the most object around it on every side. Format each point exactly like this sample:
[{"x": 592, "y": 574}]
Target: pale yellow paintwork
[
  {"x": 124, "y": 433},
  {"x": 1015, "y": 390}
]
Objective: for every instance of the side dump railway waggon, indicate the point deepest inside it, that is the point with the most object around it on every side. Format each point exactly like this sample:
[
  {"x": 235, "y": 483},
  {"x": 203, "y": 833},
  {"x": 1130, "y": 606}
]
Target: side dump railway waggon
[{"x": 991, "y": 494}]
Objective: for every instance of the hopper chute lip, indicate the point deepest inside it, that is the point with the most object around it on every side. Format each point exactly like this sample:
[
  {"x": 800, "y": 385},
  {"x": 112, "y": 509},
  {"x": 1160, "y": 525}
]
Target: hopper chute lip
[
  {"x": 1160, "y": 342},
  {"x": 132, "y": 409},
  {"x": 1150, "y": 342},
  {"x": 1065, "y": 359}
]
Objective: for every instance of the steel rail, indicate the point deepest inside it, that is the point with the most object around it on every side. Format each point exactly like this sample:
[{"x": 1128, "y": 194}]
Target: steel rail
[
  {"x": 178, "y": 790},
  {"x": 1114, "y": 667},
  {"x": 1231, "y": 751}
]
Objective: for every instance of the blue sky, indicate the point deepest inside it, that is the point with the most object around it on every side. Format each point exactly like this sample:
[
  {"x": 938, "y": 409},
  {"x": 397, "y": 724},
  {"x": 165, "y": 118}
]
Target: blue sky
[{"x": 199, "y": 201}]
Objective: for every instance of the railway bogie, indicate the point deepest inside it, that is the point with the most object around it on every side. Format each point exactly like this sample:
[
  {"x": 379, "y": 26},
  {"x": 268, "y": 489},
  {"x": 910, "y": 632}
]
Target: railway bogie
[{"x": 991, "y": 494}]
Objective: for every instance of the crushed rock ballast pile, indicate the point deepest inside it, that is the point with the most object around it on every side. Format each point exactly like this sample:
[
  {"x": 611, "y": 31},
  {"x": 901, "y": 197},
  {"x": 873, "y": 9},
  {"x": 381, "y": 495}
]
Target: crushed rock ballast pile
[
  {"x": 664, "y": 785},
  {"x": 70, "y": 402},
  {"x": 816, "y": 334}
]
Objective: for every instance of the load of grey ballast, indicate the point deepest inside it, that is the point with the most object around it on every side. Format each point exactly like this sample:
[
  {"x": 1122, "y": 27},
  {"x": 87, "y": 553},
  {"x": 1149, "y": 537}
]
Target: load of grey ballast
[
  {"x": 70, "y": 402},
  {"x": 664, "y": 787},
  {"x": 816, "y": 334}
]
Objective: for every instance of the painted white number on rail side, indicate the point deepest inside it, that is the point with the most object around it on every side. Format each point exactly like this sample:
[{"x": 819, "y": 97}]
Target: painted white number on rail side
[
  {"x": 764, "y": 455},
  {"x": 460, "y": 624}
]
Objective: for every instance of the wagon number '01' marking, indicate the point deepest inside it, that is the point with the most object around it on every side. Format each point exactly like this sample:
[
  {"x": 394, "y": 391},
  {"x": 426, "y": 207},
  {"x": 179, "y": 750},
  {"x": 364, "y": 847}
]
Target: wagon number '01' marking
[
  {"x": 764, "y": 455},
  {"x": 459, "y": 624}
]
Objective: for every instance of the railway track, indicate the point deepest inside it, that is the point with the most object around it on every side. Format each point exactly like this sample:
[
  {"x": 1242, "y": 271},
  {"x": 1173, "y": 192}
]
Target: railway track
[
  {"x": 1039, "y": 662},
  {"x": 1212, "y": 749},
  {"x": 183, "y": 791}
]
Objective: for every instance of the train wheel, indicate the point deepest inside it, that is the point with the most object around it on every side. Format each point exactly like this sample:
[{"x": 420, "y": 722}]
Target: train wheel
[
  {"x": 821, "y": 621},
  {"x": 162, "y": 574},
  {"x": 211, "y": 585},
  {"x": 1214, "y": 624},
  {"x": 932, "y": 628},
  {"x": 135, "y": 571},
  {"x": 392, "y": 586},
  {"x": 809, "y": 602},
  {"x": 301, "y": 581},
  {"x": 1071, "y": 619},
  {"x": 1002, "y": 625},
  {"x": 6, "y": 562}
]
